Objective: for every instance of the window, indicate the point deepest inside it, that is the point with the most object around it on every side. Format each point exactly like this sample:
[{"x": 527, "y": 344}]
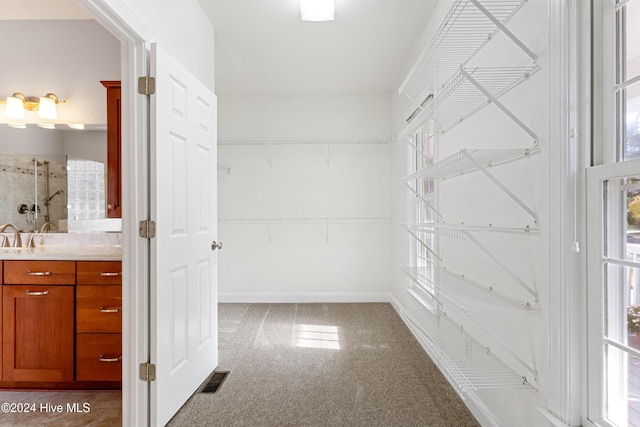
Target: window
[
  {"x": 628, "y": 78},
  {"x": 422, "y": 212},
  {"x": 424, "y": 142},
  {"x": 613, "y": 222}
]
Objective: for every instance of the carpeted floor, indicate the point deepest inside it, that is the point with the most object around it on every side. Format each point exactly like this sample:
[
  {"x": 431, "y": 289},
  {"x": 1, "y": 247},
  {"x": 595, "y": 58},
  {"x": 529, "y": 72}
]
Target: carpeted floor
[{"x": 323, "y": 365}]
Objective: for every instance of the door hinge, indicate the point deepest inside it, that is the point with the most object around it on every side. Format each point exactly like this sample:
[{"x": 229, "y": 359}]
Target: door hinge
[
  {"x": 146, "y": 85},
  {"x": 147, "y": 229},
  {"x": 147, "y": 372}
]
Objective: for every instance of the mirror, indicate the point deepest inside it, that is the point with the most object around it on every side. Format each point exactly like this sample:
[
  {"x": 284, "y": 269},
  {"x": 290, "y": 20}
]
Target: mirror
[{"x": 51, "y": 175}]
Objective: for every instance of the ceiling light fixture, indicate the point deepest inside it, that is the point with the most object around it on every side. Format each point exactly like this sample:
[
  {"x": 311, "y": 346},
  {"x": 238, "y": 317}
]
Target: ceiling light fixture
[{"x": 317, "y": 10}]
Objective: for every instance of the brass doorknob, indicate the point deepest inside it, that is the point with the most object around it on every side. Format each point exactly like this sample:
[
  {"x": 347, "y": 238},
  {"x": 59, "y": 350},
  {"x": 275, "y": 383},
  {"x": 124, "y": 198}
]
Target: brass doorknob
[{"x": 111, "y": 206}]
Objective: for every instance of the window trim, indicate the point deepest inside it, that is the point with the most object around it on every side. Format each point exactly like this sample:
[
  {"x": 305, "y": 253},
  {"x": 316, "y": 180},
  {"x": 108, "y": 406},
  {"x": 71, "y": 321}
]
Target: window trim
[{"x": 569, "y": 136}]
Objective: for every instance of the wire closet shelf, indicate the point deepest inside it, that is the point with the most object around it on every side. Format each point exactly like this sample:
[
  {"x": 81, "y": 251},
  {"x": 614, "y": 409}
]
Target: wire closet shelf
[
  {"x": 465, "y": 362},
  {"x": 466, "y": 28},
  {"x": 457, "y": 293},
  {"x": 447, "y": 231},
  {"x": 469, "y": 91},
  {"x": 469, "y": 160}
]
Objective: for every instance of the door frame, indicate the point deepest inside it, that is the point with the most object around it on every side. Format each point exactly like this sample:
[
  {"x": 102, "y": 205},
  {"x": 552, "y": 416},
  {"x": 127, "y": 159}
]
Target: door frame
[{"x": 134, "y": 62}]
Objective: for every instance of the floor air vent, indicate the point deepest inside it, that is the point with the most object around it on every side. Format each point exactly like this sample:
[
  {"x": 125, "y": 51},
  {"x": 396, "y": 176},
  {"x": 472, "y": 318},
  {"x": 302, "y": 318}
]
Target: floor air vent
[{"x": 215, "y": 382}]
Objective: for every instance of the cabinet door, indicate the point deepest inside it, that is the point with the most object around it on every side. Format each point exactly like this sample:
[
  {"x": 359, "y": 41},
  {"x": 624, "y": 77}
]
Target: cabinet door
[
  {"x": 1, "y": 282},
  {"x": 37, "y": 333},
  {"x": 114, "y": 149}
]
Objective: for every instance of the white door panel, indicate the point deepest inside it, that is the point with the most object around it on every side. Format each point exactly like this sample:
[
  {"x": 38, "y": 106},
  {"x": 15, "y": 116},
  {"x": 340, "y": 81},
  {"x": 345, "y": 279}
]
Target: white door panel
[{"x": 184, "y": 345}]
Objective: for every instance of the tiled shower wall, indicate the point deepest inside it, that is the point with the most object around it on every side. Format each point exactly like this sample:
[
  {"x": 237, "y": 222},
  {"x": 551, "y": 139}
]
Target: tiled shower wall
[{"x": 17, "y": 172}]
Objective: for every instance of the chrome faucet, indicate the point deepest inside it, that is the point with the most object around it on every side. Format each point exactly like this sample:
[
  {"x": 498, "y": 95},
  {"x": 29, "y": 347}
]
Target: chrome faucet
[{"x": 17, "y": 241}]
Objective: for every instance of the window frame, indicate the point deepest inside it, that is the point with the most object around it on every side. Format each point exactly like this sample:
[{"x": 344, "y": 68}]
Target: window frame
[{"x": 604, "y": 203}]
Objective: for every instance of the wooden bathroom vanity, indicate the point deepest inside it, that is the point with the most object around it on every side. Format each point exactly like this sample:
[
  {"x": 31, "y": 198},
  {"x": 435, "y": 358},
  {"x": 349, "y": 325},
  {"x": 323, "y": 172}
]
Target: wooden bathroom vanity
[{"x": 61, "y": 323}]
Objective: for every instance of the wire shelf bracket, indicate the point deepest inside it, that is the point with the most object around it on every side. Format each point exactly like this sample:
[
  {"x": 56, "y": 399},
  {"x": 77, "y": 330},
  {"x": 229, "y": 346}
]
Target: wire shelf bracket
[
  {"x": 503, "y": 187},
  {"x": 428, "y": 201},
  {"x": 494, "y": 99},
  {"x": 424, "y": 244},
  {"x": 501, "y": 27}
]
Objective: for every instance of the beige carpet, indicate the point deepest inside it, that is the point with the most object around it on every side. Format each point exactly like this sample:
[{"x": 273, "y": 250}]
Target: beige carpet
[{"x": 323, "y": 365}]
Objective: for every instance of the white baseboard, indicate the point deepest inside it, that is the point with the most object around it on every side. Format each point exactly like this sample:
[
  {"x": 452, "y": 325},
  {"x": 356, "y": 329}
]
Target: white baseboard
[
  {"x": 480, "y": 411},
  {"x": 553, "y": 419},
  {"x": 301, "y": 297}
]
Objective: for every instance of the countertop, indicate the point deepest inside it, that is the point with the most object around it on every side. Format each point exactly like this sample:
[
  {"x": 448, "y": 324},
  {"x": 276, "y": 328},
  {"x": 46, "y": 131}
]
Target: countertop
[
  {"x": 66, "y": 246},
  {"x": 66, "y": 253}
]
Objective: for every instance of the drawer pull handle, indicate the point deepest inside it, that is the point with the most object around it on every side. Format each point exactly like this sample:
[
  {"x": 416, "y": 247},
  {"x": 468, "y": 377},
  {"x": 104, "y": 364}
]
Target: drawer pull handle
[
  {"x": 110, "y": 273},
  {"x": 38, "y": 273},
  {"x": 109, "y": 309},
  {"x": 104, "y": 358},
  {"x": 36, "y": 293}
]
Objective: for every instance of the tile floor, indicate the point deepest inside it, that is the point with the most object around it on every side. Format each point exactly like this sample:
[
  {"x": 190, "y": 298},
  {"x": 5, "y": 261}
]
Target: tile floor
[{"x": 60, "y": 408}]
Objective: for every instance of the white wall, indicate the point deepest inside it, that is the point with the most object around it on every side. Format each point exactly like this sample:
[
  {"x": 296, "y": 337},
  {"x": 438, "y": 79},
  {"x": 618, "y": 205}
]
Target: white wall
[
  {"x": 87, "y": 145},
  {"x": 32, "y": 140},
  {"x": 473, "y": 199},
  {"x": 298, "y": 256},
  {"x": 68, "y": 58},
  {"x": 183, "y": 30}
]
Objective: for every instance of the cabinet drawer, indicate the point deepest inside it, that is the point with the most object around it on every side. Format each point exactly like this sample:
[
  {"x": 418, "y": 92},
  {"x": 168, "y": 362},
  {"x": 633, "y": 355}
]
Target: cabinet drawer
[
  {"x": 99, "y": 272},
  {"x": 98, "y": 357},
  {"x": 39, "y": 272},
  {"x": 99, "y": 308}
]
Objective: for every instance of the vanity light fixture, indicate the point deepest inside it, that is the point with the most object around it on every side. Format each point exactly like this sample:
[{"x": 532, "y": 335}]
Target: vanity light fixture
[
  {"x": 317, "y": 10},
  {"x": 46, "y": 106}
]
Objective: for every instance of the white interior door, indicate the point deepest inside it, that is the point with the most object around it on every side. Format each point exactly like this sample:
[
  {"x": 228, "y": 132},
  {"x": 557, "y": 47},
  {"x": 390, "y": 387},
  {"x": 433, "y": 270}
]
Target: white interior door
[{"x": 184, "y": 341}]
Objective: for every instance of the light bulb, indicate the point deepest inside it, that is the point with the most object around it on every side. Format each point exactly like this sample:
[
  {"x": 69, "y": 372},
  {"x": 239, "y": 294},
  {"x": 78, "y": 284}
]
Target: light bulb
[
  {"x": 14, "y": 108},
  {"x": 47, "y": 109}
]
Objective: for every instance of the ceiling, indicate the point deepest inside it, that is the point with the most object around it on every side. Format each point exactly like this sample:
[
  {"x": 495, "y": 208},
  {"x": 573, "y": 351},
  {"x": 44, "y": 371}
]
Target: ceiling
[{"x": 263, "y": 47}]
